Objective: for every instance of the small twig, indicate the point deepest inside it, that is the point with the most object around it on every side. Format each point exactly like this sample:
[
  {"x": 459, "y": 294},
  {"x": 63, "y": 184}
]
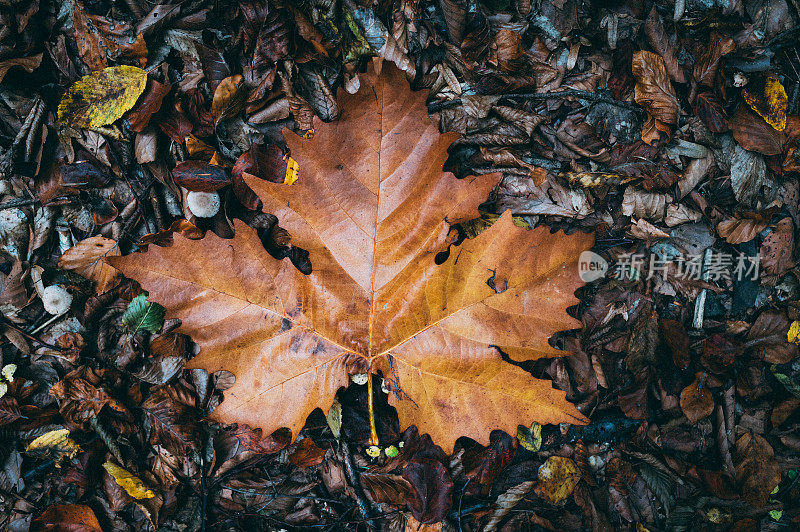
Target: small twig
[
  {"x": 30, "y": 336},
  {"x": 19, "y": 202},
  {"x": 363, "y": 505}
]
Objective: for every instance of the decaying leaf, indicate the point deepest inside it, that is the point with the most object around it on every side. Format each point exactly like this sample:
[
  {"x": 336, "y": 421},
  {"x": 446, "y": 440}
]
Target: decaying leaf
[
  {"x": 373, "y": 208},
  {"x": 757, "y": 470},
  {"x": 102, "y": 97},
  {"x": 696, "y": 399},
  {"x": 653, "y": 89},
  {"x": 558, "y": 476},
  {"x": 769, "y": 100},
  {"x": 55, "y": 444},
  {"x": 66, "y": 518},
  {"x": 87, "y": 259},
  {"x": 132, "y": 484}
]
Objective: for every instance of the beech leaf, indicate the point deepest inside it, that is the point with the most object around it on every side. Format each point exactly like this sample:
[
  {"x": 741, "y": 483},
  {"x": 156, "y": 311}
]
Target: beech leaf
[
  {"x": 373, "y": 209},
  {"x": 132, "y": 484},
  {"x": 142, "y": 314},
  {"x": 653, "y": 89},
  {"x": 102, "y": 97}
]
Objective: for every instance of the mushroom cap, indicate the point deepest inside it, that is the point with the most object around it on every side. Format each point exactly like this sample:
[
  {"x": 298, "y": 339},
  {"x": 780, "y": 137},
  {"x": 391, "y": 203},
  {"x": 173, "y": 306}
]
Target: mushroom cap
[
  {"x": 203, "y": 204},
  {"x": 56, "y": 300}
]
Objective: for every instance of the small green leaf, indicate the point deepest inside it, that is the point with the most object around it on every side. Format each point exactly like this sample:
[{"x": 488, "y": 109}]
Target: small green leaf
[
  {"x": 144, "y": 314},
  {"x": 776, "y": 514},
  {"x": 392, "y": 451}
]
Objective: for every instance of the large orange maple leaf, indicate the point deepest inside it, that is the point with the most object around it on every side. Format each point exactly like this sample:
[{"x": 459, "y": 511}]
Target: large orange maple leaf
[{"x": 373, "y": 207}]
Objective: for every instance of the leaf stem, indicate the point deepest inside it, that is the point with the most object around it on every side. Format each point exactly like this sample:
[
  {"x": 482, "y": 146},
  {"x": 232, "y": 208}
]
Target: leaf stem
[{"x": 373, "y": 431}]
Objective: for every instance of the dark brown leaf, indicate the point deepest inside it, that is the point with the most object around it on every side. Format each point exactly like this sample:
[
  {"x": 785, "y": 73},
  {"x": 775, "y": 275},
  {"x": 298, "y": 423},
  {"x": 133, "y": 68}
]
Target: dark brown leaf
[
  {"x": 432, "y": 489},
  {"x": 148, "y": 104},
  {"x": 200, "y": 176}
]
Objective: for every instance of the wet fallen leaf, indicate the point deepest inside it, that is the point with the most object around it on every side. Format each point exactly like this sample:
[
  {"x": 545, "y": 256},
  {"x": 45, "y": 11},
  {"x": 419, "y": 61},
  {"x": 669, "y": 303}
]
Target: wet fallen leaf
[
  {"x": 558, "y": 477},
  {"x": 229, "y": 98},
  {"x": 356, "y": 248},
  {"x": 768, "y": 99},
  {"x": 66, "y": 518},
  {"x": 697, "y": 401},
  {"x": 757, "y": 470},
  {"x": 132, "y": 484},
  {"x": 55, "y": 444},
  {"x": 307, "y": 454},
  {"x": 102, "y": 97}
]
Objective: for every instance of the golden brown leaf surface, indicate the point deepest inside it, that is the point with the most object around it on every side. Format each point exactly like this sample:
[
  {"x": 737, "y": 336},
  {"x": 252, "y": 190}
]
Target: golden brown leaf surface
[
  {"x": 102, "y": 97},
  {"x": 373, "y": 207}
]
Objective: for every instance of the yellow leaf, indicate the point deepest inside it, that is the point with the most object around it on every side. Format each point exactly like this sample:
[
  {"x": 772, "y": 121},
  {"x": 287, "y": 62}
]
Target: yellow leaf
[
  {"x": 794, "y": 332},
  {"x": 102, "y": 97},
  {"x": 558, "y": 476},
  {"x": 292, "y": 169},
  {"x": 132, "y": 484},
  {"x": 530, "y": 438},
  {"x": 56, "y": 444},
  {"x": 769, "y": 101}
]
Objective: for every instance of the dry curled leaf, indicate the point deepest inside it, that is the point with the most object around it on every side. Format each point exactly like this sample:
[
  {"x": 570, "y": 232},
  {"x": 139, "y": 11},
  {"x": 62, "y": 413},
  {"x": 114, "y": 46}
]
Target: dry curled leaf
[
  {"x": 373, "y": 210},
  {"x": 102, "y": 97},
  {"x": 653, "y": 89},
  {"x": 87, "y": 259}
]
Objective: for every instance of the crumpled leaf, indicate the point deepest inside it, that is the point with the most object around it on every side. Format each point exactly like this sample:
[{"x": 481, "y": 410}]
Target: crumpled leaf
[
  {"x": 749, "y": 177},
  {"x": 170, "y": 411},
  {"x": 142, "y": 314},
  {"x": 653, "y": 89},
  {"x": 769, "y": 100},
  {"x": 102, "y": 97},
  {"x": 86, "y": 259},
  {"x": 291, "y": 338},
  {"x": 132, "y": 484},
  {"x": 55, "y": 444},
  {"x": 100, "y": 39},
  {"x": 558, "y": 477},
  {"x": 66, "y": 518}
]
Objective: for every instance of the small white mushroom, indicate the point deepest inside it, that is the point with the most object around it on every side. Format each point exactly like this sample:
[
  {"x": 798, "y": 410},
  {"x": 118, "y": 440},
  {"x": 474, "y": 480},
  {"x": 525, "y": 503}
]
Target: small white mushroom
[
  {"x": 359, "y": 378},
  {"x": 203, "y": 204},
  {"x": 56, "y": 300}
]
